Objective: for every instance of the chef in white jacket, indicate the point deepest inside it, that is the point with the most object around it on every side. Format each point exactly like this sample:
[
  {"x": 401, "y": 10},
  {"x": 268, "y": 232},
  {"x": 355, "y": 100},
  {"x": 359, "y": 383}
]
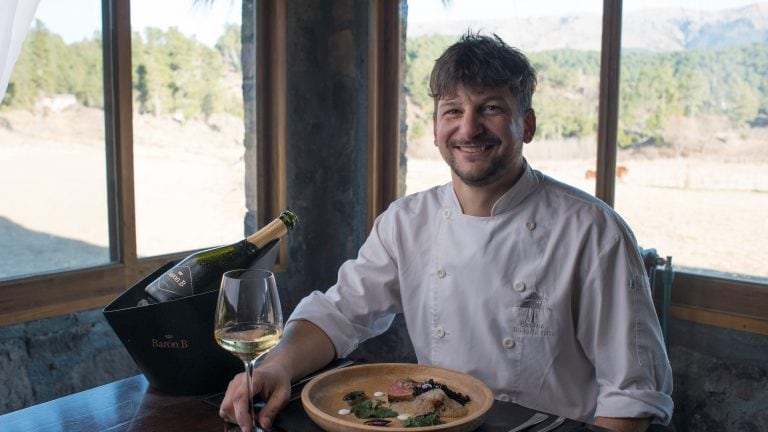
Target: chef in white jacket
[{"x": 526, "y": 283}]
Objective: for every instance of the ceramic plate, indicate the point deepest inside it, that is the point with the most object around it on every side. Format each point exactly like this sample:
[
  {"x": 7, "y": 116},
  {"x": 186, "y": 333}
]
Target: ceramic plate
[{"x": 323, "y": 396}]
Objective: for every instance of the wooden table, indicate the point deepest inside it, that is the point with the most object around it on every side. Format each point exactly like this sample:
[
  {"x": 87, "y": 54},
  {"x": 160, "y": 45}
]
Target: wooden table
[{"x": 132, "y": 405}]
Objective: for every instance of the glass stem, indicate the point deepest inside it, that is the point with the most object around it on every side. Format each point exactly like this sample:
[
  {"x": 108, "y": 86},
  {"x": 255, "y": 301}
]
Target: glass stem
[{"x": 249, "y": 366}]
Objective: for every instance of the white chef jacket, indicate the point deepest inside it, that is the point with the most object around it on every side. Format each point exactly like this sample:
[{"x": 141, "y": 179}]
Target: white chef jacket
[{"x": 547, "y": 300}]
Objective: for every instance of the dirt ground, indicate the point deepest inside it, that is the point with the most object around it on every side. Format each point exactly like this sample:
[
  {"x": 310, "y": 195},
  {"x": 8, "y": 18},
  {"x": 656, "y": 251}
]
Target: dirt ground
[
  {"x": 53, "y": 199},
  {"x": 704, "y": 206},
  {"x": 705, "y": 210},
  {"x": 723, "y": 230}
]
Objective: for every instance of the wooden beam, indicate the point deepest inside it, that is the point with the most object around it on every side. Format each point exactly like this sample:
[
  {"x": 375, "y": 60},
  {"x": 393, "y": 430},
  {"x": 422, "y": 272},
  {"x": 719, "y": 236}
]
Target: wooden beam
[
  {"x": 607, "y": 125},
  {"x": 384, "y": 71},
  {"x": 118, "y": 120},
  {"x": 59, "y": 293},
  {"x": 721, "y": 294},
  {"x": 271, "y": 83},
  {"x": 55, "y": 294},
  {"x": 52, "y": 310},
  {"x": 720, "y": 319},
  {"x": 719, "y": 301}
]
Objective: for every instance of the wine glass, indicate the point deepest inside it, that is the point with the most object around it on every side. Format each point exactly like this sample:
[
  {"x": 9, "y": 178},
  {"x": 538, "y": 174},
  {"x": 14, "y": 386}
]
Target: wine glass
[{"x": 249, "y": 320}]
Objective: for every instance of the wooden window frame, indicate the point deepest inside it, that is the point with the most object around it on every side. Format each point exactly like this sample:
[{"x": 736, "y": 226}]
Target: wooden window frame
[
  {"x": 702, "y": 297},
  {"x": 54, "y": 294},
  {"x": 699, "y": 297},
  {"x": 47, "y": 295},
  {"x": 385, "y": 64},
  {"x": 271, "y": 114}
]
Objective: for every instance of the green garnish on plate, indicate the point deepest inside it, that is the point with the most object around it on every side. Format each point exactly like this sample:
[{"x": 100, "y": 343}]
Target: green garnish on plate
[
  {"x": 370, "y": 409},
  {"x": 428, "y": 419}
]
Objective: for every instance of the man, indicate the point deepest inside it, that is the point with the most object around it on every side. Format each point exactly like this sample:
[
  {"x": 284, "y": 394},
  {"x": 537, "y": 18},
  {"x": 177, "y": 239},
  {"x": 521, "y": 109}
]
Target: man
[{"x": 531, "y": 285}]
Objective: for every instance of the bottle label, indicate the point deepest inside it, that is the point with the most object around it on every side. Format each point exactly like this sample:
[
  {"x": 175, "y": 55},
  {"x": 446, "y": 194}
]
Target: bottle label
[{"x": 176, "y": 283}]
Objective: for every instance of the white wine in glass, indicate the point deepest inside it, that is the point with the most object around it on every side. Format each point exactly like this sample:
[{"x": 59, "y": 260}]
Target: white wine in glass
[
  {"x": 248, "y": 341},
  {"x": 249, "y": 320}
]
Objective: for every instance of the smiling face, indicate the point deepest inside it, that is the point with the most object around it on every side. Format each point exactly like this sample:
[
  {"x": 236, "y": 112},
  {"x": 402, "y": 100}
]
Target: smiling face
[{"x": 480, "y": 134}]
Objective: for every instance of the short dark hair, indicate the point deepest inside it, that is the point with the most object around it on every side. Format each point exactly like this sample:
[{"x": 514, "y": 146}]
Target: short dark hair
[{"x": 477, "y": 61}]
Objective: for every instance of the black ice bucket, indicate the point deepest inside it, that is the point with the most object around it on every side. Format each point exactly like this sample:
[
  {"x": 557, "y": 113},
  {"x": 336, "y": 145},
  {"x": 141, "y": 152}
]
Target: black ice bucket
[{"x": 172, "y": 342}]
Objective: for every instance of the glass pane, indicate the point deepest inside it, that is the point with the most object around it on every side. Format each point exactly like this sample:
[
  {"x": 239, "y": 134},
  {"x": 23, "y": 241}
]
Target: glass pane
[
  {"x": 693, "y": 128},
  {"x": 53, "y": 207},
  {"x": 562, "y": 40},
  {"x": 187, "y": 124}
]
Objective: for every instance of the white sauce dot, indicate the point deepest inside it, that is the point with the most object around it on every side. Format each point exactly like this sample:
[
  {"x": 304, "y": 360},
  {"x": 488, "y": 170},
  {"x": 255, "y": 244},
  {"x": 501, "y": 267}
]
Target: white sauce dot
[
  {"x": 344, "y": 411},
  {"x": 403, "y": 417},
  {"x": 379, "y": 394}
]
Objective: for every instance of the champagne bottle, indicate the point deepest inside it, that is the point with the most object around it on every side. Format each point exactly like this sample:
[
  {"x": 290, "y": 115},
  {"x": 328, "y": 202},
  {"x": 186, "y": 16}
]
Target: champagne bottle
[{"x": 201, "y": 271}]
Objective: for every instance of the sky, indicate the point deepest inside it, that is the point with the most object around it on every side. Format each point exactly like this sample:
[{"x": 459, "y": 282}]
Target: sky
[
  {"x": 433, "y": 10},
  {"x": 206, "y": 22}
]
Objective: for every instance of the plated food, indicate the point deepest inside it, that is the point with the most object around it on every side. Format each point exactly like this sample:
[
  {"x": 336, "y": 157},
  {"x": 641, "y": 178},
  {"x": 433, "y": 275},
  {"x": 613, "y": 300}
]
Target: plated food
[{"x": 396, "y": 397}]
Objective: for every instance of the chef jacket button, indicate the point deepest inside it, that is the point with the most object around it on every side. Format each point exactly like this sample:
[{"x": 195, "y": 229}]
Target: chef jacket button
[
  {"x": 504, "y": 397},
  {"x": 447, "y": 213},
  {"x": 519, "y": 286},
  {"x": 439, "y": 332},
  {"x": 440, "y": 273},
  {"x": 508, "y": 343},
  {"x": 530, "y": 225}
]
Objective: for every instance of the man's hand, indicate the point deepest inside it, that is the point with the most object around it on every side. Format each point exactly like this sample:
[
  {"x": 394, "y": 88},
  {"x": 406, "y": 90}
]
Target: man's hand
[
  {"x": 623, "y": 424},
  {"x": 270, "y": 382},
  {"x": 303, "y": 349}
]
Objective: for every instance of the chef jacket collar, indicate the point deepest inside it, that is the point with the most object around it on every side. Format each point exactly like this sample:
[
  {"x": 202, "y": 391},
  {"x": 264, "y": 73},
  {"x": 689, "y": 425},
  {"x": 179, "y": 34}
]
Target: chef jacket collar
[{"x": 511, "y": 198}]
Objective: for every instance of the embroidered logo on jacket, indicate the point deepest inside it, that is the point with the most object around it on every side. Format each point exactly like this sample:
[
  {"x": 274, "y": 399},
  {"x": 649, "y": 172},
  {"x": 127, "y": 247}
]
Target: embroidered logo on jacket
[{"x": 532, "y": 316}]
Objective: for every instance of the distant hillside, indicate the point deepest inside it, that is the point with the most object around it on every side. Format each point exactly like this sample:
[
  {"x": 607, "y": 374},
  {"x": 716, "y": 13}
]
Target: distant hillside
[
  {"x": 669, "y": 29},
  {"x": 696, "y": 69}
]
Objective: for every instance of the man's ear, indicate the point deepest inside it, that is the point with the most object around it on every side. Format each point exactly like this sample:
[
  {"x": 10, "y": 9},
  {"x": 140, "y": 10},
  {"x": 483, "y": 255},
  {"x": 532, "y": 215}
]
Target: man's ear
[
  {"x": 434, "y": 128},
  {"x": 529, "y": 125}
]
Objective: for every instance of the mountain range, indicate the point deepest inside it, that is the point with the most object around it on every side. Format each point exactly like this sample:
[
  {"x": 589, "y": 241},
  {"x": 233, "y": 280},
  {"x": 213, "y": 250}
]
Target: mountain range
[{"x": 667, "y": 29}]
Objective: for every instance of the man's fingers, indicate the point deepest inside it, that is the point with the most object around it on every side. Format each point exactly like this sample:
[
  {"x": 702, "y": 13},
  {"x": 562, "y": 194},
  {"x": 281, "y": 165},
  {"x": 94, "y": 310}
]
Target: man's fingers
[
  {"x": 235, "y": 406},
  {"x": 243, "y": 413},
  {"x": 271, "y": 384},
  {"x": 226, "y": 409},
  {"x": 277, "y": 400}
]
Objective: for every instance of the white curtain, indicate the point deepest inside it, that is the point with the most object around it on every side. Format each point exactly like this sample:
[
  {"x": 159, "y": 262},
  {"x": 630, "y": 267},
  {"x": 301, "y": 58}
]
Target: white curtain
[{"x": 15, "y": 19}]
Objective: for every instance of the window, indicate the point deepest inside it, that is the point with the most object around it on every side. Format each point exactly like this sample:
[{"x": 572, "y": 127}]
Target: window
[
  {"x": 692, "y": 171},
  {"x": 188, "y": 129},
  {"x": 107, "y": 163},
  {"x": 642, "y": 165},
  {"x": 563, "y": 44},
  {"x": 116, "y": 205},
  {"x": 693, "y": 115},
  {"x": 188, "y": 135},
  {"x": 53, "y": 202}
]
